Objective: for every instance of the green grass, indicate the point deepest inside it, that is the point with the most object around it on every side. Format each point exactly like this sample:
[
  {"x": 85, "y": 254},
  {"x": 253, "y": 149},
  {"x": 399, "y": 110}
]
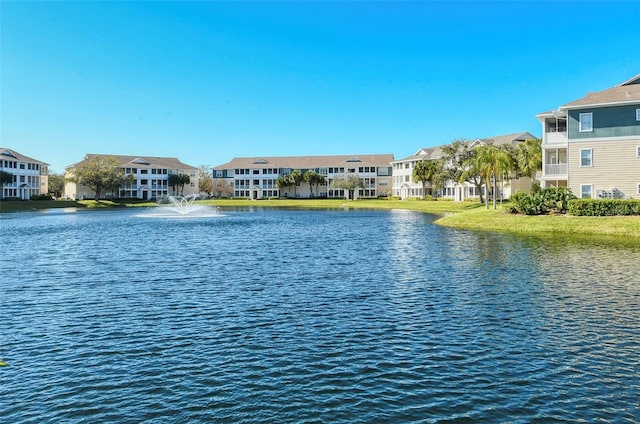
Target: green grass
[
  {"x": 463, "y": 215},
  {"x": 502, "y": 221}
]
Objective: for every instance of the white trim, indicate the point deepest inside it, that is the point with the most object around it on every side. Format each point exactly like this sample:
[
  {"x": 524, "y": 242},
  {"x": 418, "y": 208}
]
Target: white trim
[
  {"x": 590, "y": 191},
  {"x": 581, "y": 125},
  {"x": 590, "y": 158},
  {"x": 596, "y": 105},
  {"x": 592, "y": 139}
]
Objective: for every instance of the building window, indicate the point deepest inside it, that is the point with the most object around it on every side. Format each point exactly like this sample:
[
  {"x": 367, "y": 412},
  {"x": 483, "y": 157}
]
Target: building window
[
  {"x": 638, "y": 151},
  {"x": 638, "y": 189},
  {"x": 586, "y": 191},
  {"x": 637, "y": 114},
  {"x": 586, "y": 157},
  {"x": 586, "y": 122}
]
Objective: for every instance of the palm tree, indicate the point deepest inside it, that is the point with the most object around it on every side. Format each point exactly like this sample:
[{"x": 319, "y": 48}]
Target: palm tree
[
  {"x": 427, "y": 171},
  {"x": 313, "y": 178},
  {"x": 283, "y": 181},
  {"x": 173, "y": 181},
  {"x": 184, "y": 179},
  {"x": 529, "y": 157},
  {"x": 296, "y": 178},
  {"x": 492, "y": 161},
  {"x": 5, "y": 178}
]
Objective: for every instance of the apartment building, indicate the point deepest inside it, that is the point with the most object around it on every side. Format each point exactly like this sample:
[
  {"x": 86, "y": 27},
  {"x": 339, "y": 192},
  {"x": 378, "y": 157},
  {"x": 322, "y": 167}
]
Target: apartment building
[
  {"x": 30, "y": 176},
  {"x": 256, "y": 177},
  {"x": 405, "y": 187},
  {"x": 150, "y": 178},
  {"x": 592, "y": 145}
]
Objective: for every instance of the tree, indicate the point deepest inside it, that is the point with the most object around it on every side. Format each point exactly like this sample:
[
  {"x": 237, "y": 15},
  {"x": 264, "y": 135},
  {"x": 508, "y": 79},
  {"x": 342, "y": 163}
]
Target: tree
[
  {"x": 492, "y": 161},
  {"x": 428, "y": 171},
  {"x": 461, "y": 165},
  {"x": 173, "y": 181},
  {"x": 178, "y": 181},
  {"x": 283, "y": 181},
  {"x": 5, "y": 178},
  {"x": 205, "y": 180},
  {"x": 313, "y": 178},
  {"x": 347, "y": 182},
  {"x": 56, "y": 184},
  {"x": 529, "y": 157},
  {"x": 296, "y": 178},
  {"x": 99, "y": 173}
]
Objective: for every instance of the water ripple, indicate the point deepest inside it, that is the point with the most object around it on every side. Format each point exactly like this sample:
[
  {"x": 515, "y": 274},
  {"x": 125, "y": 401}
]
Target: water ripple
[{"x": 292, "y": 316}]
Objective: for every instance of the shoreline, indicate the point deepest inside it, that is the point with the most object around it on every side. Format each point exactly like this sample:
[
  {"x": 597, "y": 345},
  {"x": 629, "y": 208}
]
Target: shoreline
[{"x": 459, "y": 215}]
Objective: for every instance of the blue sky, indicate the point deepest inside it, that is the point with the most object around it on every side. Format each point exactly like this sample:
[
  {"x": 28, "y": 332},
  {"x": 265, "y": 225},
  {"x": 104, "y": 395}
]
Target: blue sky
[{"x": 207, "y": 81}]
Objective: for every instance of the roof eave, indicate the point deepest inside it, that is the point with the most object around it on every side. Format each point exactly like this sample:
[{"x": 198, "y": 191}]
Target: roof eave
[{"x": 605, "y": 104}]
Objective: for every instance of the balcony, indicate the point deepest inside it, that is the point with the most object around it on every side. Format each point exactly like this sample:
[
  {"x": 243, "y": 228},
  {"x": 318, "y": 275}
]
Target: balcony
[
  {"x": 556, "y": 137},
  {"x": 555, "y": 170}
]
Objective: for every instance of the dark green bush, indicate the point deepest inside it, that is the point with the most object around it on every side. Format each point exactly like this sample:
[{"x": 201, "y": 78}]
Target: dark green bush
[
  {"x": 604, "y": 207},
  {"x": 545, "y": 201}
]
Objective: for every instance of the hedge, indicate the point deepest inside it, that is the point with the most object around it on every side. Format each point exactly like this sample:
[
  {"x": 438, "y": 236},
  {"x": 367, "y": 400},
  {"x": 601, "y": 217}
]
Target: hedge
[
  {"x": 603, "y": 207},
  {"x": 550, "y": 200}
]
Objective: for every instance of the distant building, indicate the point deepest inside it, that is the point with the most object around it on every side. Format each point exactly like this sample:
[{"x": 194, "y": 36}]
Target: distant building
[
  {"x": 255, "y": 177},
  {"x": 151, "y": 178},
  {"x": 592, "y": 145},
  {"x": 405, "y": 187},
  {"x": 30, "y": 176}
]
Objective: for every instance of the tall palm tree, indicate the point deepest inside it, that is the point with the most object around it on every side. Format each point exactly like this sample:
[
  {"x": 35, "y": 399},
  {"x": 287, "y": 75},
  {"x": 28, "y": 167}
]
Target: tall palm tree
[
  {"x": 296, "y": 178},
  {"x": 529, "y": 157},
  {"x": 313, "y": 178},
  {"x": 493, "y": 161},
  {"x": 282, "y": 182},
  {"x": 426, "y": 171}
]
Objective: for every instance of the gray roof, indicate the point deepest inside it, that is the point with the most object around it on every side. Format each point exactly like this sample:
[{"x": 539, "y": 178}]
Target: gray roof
[
  {"x": 627, "y": 92},
  {"x": 145, "y": 161},
  {"x": 10, "y": 153},
  {"x": 428, "y": 153},
  {"x": 307, "y": 162}
]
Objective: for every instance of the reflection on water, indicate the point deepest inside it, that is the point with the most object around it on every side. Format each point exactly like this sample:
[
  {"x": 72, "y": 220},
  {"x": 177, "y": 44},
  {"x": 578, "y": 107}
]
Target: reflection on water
[{"x": 320, "y": 316}]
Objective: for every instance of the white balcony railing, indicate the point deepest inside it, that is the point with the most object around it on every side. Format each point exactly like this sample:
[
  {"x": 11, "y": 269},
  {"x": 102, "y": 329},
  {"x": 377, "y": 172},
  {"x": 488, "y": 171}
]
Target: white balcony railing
[
  {"x": 552, "y": 170},
  {"x": 556, "y": 138}
]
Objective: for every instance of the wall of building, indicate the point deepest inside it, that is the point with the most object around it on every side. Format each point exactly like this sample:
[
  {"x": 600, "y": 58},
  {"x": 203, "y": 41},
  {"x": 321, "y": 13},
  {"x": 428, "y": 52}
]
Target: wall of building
[
  {"x": 615, "y": 165},
  {"x": 614, "y": 121}
]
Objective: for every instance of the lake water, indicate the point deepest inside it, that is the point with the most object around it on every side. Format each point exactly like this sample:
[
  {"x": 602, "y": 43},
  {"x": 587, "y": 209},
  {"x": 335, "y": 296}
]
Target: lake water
[{"x": 283, "y": 316}]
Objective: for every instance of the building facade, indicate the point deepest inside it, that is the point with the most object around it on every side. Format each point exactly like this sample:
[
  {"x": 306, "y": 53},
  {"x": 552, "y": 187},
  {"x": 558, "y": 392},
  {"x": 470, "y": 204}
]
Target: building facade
[
  {"x": 405, "y": 187},
  {"x": 592, "y": 145},
  {"x": 150, "y": 178},
  {"x": 30, "y": 176},
  {"x": 256, "y": 177}
]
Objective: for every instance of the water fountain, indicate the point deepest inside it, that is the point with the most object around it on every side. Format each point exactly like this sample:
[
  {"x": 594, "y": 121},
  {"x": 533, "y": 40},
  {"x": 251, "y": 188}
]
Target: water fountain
[{"x": 182, "y": 207}]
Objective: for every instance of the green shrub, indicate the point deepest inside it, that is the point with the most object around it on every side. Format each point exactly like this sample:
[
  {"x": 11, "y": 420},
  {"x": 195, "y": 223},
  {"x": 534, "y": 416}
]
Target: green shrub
[
  {"x": 604, "y": 207},
  {"x": 42, "y": 197},
  {"x": 546, "y": 201}
]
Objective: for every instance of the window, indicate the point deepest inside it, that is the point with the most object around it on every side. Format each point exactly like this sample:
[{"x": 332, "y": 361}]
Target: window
[
  {"x": 638, "y": 152},
  {"x": 638, "y": 192},
  {"x": 637, "y": 114},
  {"x": 586, "y": 191},
  {"x": 586, "y": 122},
  {"x": 586, "y": 157}
]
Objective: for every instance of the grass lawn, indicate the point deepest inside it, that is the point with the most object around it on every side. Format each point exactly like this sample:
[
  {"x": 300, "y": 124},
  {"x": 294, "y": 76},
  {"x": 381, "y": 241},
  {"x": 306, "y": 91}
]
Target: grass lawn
[{"x": 463, "y": 215}]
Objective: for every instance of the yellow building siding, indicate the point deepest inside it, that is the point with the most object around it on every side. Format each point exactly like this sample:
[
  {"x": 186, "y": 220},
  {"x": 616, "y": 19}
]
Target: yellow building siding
[{"x": 615, "y": 165}]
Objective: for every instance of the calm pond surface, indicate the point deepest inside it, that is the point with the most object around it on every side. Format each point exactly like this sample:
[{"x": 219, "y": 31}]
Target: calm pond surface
[{"x": 283, "y": 316}]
